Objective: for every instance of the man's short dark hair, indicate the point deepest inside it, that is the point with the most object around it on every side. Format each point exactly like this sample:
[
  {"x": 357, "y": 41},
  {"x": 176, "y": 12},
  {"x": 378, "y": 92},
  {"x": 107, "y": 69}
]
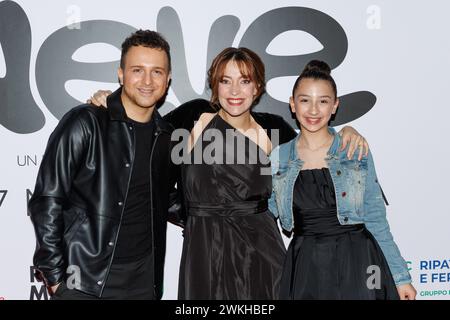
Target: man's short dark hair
[{"x": 145, "y": 38}]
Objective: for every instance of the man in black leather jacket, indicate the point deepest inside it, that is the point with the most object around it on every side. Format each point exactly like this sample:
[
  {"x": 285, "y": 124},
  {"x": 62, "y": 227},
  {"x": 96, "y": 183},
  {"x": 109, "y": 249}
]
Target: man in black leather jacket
[{"x": 101, "y": 199}]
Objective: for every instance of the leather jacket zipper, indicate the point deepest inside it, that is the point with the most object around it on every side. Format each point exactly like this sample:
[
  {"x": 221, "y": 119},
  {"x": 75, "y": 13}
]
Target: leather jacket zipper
[{"x": 157, "y": 134}]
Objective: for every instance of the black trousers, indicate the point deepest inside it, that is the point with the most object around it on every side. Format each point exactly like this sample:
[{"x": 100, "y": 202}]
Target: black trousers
[{"x": 128, "y": 281}]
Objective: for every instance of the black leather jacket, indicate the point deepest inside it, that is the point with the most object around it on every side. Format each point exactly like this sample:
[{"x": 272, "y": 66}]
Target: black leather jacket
[{"x": 81, "y": 191}]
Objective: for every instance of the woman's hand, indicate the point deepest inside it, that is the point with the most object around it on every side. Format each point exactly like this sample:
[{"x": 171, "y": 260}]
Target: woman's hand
[
  {"x": 99, "y": 98},
  {"x": 350, "y": 135},
  {"x": 406, "y": 292}
]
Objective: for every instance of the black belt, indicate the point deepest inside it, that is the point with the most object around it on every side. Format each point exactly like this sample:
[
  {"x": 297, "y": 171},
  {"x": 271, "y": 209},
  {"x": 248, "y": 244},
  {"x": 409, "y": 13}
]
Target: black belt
[
  {"x": 238, "y": 208},
  {"x": 321, "y": 222}
]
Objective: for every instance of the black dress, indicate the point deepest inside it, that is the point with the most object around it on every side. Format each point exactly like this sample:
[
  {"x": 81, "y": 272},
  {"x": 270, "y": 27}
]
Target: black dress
[
  {"x": 232, "y": 247},
  {"x": 327, "y": 260}
]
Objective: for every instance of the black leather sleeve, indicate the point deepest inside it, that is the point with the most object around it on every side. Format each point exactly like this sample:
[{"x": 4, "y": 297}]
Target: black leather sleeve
[
  {"x": 59, "y": 165},
  {"x": 287, "y": 133},
  {"x": 177, "y": 212},
  {"x": 183, "y": 117},
  {"x": 188, "y": 113},
  {"x": 272, "y": 122}
]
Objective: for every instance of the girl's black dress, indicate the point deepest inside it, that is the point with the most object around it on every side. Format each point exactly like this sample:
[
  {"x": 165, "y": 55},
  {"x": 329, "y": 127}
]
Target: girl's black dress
[{"x": 327, "y": 260}]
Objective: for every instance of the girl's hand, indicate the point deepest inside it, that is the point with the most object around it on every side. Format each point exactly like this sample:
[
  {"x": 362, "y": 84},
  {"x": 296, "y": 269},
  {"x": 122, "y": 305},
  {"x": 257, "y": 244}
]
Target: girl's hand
[
  {"x": 406, "y": 292},
  {"x": 99, "y": 98}
]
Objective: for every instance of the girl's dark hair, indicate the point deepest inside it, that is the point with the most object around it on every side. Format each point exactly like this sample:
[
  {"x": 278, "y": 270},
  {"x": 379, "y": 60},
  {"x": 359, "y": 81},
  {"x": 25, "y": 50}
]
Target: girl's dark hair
[{"x": 317, "y": 70}]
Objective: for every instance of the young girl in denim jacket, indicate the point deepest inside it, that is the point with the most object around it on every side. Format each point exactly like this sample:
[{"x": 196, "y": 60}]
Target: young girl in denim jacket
[{"x": 342, "y": 247}]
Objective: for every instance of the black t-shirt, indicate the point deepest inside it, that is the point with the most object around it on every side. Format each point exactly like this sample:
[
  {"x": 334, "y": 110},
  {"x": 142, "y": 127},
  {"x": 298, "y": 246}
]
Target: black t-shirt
[{"x": 135, "y": 235}]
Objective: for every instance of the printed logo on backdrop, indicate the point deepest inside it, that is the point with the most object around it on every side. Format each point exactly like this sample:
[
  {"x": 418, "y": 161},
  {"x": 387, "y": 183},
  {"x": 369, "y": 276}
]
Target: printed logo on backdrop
[
  {"x": 38, "y": 290},
  {"x": 3, "y": 194},
  {"x": 435, "y": 274},
  {"x": 27, "y": 160},
  {"x": 55, "y": 66}
]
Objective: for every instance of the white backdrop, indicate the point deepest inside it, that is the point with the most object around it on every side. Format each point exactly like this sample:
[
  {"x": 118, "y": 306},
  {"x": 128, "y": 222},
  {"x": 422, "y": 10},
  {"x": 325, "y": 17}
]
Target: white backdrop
[{"x": 398, "y": 50}]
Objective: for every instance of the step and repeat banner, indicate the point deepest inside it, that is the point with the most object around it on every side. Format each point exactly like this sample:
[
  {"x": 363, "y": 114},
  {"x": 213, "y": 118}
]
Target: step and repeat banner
[{"x": 390, "y": 60}]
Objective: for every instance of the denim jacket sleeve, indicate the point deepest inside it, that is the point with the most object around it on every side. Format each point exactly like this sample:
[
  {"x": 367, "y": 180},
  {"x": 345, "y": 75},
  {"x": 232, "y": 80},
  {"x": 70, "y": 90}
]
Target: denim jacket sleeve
[
  {"x": 377, "y": 224},
  {"x": 274, "y": 161}
]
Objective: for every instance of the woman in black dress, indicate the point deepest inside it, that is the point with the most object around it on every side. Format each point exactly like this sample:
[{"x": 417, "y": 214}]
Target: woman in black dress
[{"x": 232, "y": 246}]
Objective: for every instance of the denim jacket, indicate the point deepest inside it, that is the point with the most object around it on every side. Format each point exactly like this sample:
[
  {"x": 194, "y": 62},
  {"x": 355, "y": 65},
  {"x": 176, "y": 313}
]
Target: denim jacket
[{"x": 359, "y": 197}]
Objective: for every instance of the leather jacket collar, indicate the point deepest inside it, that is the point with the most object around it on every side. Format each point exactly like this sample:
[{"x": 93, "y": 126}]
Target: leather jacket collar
[{"x": 117, "y": 112}]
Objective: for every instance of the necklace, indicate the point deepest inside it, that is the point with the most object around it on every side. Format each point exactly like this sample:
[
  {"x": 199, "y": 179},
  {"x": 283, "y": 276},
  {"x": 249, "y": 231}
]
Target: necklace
[{"x": 327, "y": 141}]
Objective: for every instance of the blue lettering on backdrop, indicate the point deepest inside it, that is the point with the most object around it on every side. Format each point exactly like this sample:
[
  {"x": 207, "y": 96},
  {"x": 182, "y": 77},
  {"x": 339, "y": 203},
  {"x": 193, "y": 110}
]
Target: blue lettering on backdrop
[
  {"x": 434, "y": 264},
  {"x": 55, "y": 66},
  {"x": 435, "y": 277}
]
